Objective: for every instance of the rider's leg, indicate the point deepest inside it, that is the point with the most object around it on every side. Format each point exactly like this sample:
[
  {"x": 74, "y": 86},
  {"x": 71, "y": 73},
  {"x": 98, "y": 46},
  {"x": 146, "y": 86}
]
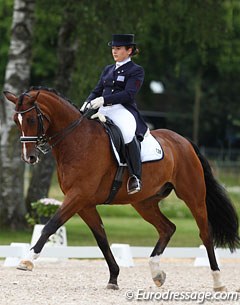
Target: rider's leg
[
  {"x": 133, "y": 156},
  {"x": 127, "y": 124}
]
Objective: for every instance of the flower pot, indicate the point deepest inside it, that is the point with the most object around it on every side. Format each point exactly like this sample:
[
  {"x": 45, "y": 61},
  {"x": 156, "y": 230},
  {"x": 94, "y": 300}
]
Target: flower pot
[{"x": 57, "y": 239}]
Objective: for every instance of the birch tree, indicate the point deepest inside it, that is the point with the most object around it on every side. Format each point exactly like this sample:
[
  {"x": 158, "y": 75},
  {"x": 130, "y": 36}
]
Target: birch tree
[{"x": 17, "y": 75}]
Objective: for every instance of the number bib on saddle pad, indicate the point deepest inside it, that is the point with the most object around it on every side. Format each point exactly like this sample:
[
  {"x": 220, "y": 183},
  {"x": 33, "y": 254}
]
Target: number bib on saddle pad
[{"x": 151, "y": 149}]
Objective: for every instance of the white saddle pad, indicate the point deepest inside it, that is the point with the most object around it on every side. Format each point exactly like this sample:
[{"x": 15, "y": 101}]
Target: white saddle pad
[{"x": 151, "y": 150}]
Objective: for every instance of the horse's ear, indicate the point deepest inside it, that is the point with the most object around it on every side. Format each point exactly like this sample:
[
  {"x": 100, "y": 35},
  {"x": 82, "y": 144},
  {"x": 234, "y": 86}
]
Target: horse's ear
[{"x": 10, "y": 96}]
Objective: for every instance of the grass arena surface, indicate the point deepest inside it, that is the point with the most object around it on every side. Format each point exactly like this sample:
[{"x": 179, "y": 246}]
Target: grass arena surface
[{"x": 83, "y": 282}]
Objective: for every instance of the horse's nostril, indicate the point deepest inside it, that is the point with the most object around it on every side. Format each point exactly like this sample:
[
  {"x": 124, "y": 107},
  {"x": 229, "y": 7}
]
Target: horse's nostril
[{"x": 33, "y": 159}]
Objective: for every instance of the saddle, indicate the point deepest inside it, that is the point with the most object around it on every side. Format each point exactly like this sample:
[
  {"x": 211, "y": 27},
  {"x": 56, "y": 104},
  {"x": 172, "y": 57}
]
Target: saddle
[{"x": 116, "y": 138}]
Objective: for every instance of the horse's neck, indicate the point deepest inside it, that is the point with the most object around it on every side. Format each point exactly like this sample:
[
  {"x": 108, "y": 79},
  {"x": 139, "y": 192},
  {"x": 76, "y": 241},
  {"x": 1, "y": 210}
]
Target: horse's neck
[{"x": 61, "y": 114}]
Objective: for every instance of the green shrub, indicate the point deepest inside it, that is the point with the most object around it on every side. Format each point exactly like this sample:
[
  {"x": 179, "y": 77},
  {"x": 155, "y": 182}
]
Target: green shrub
[{"x": 42, "y": 210}]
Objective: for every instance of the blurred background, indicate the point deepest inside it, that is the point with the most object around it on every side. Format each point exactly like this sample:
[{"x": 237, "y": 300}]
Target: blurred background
[{"x": 190, "y": 51}]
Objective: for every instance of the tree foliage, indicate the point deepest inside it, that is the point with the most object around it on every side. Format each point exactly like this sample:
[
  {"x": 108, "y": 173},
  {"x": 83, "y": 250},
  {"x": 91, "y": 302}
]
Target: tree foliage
[{"x": 192, "y": 47}]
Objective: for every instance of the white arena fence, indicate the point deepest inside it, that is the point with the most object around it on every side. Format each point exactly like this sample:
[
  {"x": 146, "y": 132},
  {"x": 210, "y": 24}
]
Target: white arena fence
[
  {"x": 57, "y": 248},
  {"x": 19, "y": 249},
  {"x": 123, "y": 253}
]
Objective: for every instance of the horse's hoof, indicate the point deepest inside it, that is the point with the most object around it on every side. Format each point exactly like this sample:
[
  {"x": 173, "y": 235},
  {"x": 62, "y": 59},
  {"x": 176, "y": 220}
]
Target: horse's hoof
[
  {"x": 159, "y": 279},
  {"x": 222, "y": 288},
  {"x": 112, "y": 286},
  {"x": 25, "y": 265}
]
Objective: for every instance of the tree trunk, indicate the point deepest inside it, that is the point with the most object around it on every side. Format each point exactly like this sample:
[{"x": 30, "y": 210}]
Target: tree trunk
[
  {"x": 12, "y": 205},
  {"x": 40, "y": 180},
  {"x": 67, "y": 47}
]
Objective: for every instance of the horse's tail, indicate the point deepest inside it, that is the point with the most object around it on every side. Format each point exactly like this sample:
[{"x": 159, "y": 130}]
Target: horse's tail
[{"x": 222, "y": 215}]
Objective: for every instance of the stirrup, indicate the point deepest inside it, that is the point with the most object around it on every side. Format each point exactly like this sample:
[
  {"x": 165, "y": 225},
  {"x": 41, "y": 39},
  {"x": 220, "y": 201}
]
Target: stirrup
[{"x": 133, "y": 185}]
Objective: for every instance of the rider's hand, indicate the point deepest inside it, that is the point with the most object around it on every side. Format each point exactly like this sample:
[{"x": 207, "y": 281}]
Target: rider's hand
[
  {"x": 82, "y": 109},
  {"x": 84, "y": 106},
  {"x": 96, "y": 103},
  {"x": 99, "y": 116}
]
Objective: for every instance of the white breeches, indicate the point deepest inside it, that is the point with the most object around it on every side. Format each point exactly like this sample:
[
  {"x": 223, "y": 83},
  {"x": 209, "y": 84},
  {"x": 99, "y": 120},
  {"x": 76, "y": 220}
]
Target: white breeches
[{"x": 123, "y": 119}]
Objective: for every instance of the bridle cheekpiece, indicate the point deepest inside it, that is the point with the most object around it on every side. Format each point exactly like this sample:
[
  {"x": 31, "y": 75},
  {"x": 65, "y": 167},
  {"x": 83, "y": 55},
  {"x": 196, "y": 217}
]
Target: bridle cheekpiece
[{"x": 42, "y": 140}]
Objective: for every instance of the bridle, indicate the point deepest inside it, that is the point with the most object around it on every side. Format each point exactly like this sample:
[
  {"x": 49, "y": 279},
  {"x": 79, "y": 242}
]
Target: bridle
[{"x": 42, "y": 140}]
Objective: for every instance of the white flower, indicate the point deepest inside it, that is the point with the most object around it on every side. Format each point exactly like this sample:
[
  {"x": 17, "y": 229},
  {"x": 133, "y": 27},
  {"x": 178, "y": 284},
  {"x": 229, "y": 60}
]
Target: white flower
[{"x": 48, "y": 201}]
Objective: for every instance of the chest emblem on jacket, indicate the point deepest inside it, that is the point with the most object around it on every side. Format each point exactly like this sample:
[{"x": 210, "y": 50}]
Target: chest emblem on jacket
[{"x": 120, "y": 78}]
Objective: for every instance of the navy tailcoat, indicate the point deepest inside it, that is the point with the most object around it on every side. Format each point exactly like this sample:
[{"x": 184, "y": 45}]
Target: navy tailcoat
[{"x": 120, "y": 86}]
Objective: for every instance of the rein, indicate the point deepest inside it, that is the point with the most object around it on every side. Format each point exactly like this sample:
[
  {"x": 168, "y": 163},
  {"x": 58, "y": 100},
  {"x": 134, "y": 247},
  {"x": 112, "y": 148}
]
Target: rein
[{"x": 42, "y": 140}]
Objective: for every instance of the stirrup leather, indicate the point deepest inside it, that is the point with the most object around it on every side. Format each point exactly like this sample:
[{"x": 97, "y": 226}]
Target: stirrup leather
[{"x": 133, "y": 185}]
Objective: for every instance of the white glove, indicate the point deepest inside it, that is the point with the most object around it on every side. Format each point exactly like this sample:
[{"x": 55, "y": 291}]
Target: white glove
[
  {"x": 82, "y": 109},
  {"x": 96, "y": 103},
  {"x": 99, "y": 116}
]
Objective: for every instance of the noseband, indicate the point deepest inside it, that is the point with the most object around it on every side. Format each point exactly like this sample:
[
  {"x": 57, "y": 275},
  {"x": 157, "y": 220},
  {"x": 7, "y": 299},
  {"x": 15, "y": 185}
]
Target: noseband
[{"x": 42, "y": 140}]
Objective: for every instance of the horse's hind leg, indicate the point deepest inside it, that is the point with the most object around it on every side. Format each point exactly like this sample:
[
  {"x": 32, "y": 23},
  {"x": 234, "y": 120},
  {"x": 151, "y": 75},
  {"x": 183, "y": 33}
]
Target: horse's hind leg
[
  {"x": 93, "y": 220},
  {"x": 205, "y": 235},
  {"x": 151, "y": 213},
  {"x": 195, "y": 200}
]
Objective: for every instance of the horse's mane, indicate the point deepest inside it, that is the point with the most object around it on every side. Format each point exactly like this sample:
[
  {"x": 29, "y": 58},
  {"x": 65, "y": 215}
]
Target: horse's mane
[{"x": 54, "y": 91}]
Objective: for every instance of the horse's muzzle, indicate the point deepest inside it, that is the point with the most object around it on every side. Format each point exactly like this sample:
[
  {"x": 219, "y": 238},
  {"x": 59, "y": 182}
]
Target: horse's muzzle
[{"x": 31, "y": 158}]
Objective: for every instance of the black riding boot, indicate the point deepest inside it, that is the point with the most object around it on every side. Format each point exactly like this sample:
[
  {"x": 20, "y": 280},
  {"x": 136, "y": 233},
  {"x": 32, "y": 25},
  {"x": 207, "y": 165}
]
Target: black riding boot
[{"x": 133, "y": 158}]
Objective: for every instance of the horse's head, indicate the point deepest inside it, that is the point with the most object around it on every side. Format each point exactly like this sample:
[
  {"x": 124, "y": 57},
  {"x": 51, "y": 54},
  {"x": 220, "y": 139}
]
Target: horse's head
[{"x": 31, "y": 122}]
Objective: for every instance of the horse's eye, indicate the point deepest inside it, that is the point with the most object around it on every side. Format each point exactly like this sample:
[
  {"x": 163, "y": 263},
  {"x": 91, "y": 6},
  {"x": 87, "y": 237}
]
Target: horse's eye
[{"x": 31, "y": 120}]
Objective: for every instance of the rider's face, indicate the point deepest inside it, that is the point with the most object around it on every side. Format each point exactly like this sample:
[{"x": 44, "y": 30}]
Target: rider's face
[{"x": 121, "y": 53}]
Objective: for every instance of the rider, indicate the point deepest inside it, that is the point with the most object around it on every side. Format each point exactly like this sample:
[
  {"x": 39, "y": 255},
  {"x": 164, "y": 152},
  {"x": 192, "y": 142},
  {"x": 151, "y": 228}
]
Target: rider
[{"x": 114, "y": 97}]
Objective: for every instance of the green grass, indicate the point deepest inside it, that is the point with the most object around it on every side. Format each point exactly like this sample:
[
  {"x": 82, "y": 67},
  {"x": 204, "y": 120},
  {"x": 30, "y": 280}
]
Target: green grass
[
  {"x": 134, "y": 231},
  {"x": 9, "y": 236}
]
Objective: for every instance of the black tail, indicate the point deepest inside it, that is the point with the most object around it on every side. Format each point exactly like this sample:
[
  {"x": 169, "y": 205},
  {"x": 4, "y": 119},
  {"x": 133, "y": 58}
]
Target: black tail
[{"x": 222, "y": 215}]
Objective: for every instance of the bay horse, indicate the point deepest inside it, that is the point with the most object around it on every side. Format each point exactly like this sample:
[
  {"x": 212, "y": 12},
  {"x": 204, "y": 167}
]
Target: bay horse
[{"x": 86, "y": 169}]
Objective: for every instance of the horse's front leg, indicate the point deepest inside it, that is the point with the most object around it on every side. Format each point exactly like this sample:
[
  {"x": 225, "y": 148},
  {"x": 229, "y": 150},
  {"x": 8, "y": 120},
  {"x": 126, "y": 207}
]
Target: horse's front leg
[
  {"x": 93, "y": 220},
  {"x": 65, "y": 212}
]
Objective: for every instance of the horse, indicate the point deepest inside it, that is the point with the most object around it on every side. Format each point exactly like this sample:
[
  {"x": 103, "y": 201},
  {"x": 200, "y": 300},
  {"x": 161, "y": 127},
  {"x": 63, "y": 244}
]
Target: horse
[{"x": 86, "y": 169}]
